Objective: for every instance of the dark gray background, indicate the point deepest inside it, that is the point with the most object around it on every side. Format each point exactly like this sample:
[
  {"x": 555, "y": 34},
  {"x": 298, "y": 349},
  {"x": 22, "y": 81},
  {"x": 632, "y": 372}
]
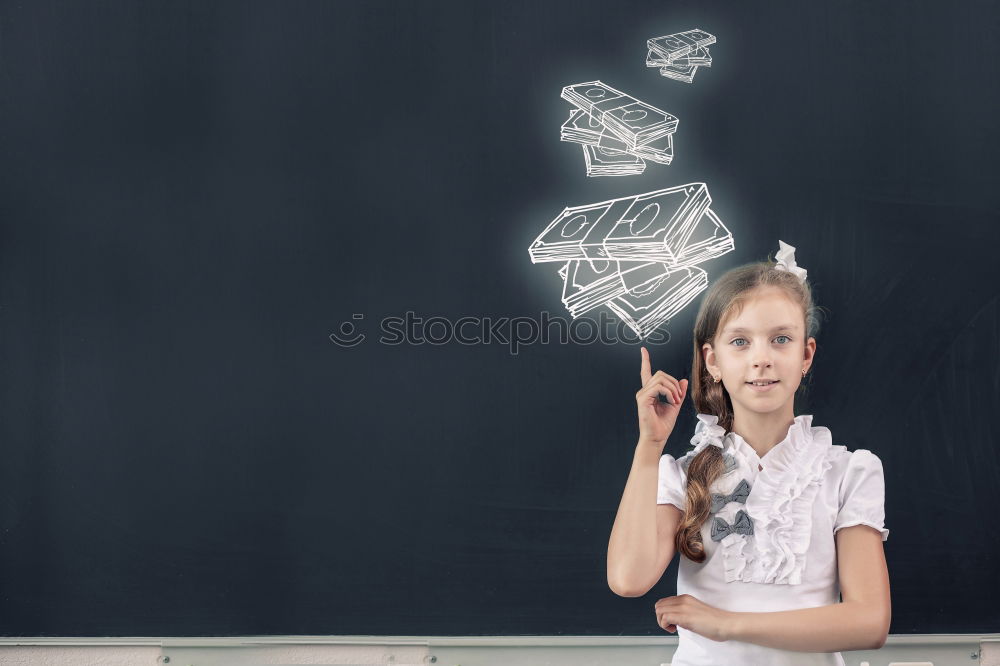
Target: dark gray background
[{"x": 196, "y": 194}]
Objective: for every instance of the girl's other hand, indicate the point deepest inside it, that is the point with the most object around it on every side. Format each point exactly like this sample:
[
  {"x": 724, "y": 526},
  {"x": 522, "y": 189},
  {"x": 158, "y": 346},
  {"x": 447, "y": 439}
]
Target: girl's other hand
[
  {"x": 694, "y": 615},
  {"x": 657, "y": 419}
]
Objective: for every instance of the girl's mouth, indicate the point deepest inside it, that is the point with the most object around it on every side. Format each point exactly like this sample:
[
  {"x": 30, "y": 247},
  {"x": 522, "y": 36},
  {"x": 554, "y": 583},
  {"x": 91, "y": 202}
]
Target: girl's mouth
[{"x": 762, "y": 389}]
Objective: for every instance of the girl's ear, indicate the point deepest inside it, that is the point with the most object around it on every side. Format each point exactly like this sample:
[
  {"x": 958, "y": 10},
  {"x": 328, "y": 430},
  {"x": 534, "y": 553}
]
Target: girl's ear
[
  {"x": 810, "y": 349},
  {"x": 707, "y": 354}
]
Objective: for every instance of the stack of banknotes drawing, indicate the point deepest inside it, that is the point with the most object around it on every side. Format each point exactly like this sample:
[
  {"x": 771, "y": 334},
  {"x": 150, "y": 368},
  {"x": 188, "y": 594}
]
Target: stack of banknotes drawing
[
  {"x": 681, "y": 54},
  {"x": 618, "y": 133},
  {"x": 636, "y": 255}
]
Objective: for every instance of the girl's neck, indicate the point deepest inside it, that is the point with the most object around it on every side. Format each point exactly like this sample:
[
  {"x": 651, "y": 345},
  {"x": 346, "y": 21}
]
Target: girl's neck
[{"x": 763, "y": 431}]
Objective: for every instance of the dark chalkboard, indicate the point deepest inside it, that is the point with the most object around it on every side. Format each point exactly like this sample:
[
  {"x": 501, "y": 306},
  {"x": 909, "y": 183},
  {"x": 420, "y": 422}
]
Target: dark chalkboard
[{"x": 196, "y": 195}]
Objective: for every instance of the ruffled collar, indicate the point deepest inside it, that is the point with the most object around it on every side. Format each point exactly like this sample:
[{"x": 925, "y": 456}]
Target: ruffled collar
[
  {"x": 708, "y": 432},
  {"x": 799, "y": 433}
]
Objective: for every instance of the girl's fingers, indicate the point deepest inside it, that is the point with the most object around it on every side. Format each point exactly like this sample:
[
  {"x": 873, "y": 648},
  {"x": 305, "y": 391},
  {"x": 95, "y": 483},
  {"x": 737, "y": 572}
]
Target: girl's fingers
[
  {"x": 674, "y": 389},
  {"x": 657, "y": 386},
  {"x": 644, "y": 368},
  {"x": 668, "y": 381}
]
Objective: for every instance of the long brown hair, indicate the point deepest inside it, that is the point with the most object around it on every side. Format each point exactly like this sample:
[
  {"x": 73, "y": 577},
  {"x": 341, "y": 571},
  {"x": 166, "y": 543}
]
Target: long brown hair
[{"x": 725, "y": 299}]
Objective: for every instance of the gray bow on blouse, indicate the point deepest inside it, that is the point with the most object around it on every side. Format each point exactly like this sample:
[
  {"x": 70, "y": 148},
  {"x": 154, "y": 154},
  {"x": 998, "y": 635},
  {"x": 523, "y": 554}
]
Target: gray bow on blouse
[
  {"x": 742, "y": 525},
  {"x": 740, "y": 494}
]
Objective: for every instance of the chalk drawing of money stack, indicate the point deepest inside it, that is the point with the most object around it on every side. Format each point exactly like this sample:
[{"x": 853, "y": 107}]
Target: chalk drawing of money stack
[
  {"x": 636, "y": 255},
  {"x": 681, "y": 54},
  {"x": 618, "y": 132}
]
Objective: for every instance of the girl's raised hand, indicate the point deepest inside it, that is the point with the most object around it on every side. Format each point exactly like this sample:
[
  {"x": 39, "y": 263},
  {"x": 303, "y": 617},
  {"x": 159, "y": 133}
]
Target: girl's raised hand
[{"x": 657, "y": 419}]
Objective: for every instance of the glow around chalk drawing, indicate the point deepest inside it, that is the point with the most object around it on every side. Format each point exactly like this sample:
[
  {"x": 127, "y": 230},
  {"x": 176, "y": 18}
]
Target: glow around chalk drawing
[
  {"x": 618, "y": 132},
  {"x": 681, "y": 54},
  {"x": 636, "y": 255}
]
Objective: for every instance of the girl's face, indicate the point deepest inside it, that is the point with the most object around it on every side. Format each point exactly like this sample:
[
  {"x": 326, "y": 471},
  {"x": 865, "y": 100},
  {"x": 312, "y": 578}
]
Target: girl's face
[{"x": 765, "y": 341}]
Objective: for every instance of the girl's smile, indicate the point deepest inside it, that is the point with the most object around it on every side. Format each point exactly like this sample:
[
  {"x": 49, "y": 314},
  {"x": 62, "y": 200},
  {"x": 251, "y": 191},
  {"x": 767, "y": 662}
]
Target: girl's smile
[{"x": 762, "y": 389}]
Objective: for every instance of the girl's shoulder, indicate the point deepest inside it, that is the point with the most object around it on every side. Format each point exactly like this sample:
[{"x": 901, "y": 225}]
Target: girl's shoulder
[{"x": 844, "y": 462}]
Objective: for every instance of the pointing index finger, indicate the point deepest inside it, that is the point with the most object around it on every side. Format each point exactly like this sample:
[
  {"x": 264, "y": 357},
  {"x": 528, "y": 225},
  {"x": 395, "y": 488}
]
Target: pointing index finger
[{"x": 644, "y": 372}]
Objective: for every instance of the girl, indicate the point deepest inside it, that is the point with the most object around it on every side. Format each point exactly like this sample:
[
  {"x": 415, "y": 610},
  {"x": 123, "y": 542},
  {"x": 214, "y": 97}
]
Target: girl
[{"x": 773, "y": 521}]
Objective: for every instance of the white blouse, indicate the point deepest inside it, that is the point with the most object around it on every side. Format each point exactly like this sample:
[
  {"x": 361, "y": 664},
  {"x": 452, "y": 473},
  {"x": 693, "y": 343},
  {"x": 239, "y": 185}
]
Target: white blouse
[{"x": 774, "y": 547}]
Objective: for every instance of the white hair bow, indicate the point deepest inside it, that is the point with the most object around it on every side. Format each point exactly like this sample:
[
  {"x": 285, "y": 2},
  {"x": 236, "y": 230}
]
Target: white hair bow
[{"x": 786, "y": 261}]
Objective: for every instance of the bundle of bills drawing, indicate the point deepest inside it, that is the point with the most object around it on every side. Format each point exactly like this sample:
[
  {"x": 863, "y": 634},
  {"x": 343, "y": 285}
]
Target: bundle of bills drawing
[
  {"x": 681, "y": 54},
  {"x": 636, "y": 255},
  {"x": 618, "y": 132}
]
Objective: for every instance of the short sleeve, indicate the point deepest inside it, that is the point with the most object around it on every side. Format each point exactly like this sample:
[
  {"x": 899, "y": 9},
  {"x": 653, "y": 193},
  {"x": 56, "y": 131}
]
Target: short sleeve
[
  {"x": 862, "y": 493},
  {"x": 672, "y": 485}
]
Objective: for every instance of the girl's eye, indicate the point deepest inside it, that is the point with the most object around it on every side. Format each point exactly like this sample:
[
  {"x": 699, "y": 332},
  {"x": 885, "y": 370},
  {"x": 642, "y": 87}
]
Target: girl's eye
[{"x": 744, "y": 339}]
